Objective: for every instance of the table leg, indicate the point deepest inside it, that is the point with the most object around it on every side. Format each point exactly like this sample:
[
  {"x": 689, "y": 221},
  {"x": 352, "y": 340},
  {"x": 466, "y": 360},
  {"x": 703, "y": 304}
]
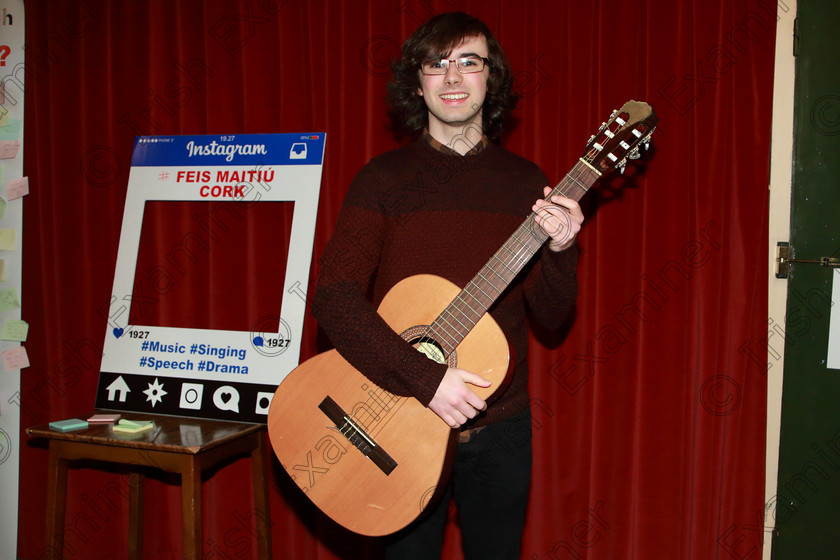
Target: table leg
[
  {"x": 135, "y": 515},
  {"x": 56, "y": 502},
  {"x": 191, "y": 504},
  {"x": 259, "y": 476}
]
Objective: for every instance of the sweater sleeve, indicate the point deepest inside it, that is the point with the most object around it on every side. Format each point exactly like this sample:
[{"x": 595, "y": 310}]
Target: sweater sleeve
[
  {"x": 551, "y": 286},
  {"x": 341, "y": 305}
]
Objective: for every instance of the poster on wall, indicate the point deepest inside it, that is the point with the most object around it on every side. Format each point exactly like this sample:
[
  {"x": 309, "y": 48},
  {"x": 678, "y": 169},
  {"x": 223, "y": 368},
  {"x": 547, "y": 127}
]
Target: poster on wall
[
  {"x": 833, "y": 361},
  {"x": 207, "y": 309},
  {"x": 14, "y": 329}
]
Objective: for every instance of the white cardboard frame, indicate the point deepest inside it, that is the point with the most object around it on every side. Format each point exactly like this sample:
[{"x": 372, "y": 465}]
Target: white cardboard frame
[{"x": 291, "y": 166}]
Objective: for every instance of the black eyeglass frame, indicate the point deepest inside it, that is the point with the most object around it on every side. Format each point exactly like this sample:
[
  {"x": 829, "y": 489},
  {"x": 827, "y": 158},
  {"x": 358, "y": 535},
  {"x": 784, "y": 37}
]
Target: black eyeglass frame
[{"x": 486, "y": 62}]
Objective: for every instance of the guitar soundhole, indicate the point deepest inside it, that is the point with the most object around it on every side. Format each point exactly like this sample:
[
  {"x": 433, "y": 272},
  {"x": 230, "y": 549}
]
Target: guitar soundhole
[{"x": 416, "y": 336}]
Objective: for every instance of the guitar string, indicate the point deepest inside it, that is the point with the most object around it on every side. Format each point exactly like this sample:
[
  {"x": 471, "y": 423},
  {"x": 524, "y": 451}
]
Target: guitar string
[
  {"x": 520, "y": 237},
  {"x": 523, "y": 233},
  {"x": 575, "y": 178}
]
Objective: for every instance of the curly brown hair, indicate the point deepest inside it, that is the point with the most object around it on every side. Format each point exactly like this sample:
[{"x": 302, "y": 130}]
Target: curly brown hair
[{"x": 434, "y": 40}]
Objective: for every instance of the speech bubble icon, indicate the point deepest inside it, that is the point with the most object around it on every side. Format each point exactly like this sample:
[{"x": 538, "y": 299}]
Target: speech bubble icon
[{"x": 226, "y": 398}]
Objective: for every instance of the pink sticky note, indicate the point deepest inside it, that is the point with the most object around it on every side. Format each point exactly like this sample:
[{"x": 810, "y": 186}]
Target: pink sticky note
[
  {"x": 103, "y": 418},
  {"x": 15, "y": 358},
  {"x": 9, "y": 148},
  {"x": 17, "y": 188}
]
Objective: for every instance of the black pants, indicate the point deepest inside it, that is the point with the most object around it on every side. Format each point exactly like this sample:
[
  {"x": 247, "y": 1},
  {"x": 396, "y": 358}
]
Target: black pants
[{"x": 490, "y": 482}]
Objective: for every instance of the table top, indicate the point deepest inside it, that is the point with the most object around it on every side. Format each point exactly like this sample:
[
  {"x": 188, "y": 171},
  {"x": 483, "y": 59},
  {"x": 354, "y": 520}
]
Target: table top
[{"x": 170, "y": 433}]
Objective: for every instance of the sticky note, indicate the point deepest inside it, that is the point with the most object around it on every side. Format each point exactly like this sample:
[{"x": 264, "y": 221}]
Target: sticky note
[
  {"x": 103, "y": 418},
  {"x": 2, "y": 270},
  {"x": 8, "y": 298},
  {"x": 68, "y": 425},
  {"x": 4, "y": 116},
  {"x": 15, "y": 329},
  {"x": 133, "y": 426},
  {"x": 2, "y": 208},
  {"x": 9, "y": 149},
  {"x": 125, "y": 422},
  {"x": 17, "y": 188},
  {"x": 7, "y": 239},
  {"x": 15, "y": 358}
]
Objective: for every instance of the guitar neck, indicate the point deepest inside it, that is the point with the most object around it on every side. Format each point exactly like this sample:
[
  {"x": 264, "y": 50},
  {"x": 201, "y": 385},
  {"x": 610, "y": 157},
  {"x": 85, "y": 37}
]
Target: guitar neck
[{"x": 460, "y": 316}]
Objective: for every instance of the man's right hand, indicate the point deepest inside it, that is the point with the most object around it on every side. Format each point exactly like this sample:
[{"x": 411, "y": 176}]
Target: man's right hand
[{"x": 454, "y": 401}]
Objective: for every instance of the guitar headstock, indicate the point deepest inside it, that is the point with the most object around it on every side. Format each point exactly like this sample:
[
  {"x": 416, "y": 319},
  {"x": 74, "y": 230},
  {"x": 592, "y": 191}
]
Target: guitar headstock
[{"x": 620, "y": 138}]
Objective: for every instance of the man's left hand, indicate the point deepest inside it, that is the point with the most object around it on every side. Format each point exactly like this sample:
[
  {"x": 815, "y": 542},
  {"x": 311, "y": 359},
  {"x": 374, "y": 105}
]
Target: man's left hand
[{"x": 560, "y": 217}]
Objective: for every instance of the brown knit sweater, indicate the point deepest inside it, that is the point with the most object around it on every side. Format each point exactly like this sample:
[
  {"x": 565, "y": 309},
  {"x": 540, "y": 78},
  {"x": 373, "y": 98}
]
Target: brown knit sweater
[{"x": 420, "y": 210}]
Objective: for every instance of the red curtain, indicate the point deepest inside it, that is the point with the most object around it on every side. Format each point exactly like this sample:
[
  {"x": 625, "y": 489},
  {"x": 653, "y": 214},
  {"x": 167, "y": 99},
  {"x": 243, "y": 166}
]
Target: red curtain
[{"x": 648, "y": 413}]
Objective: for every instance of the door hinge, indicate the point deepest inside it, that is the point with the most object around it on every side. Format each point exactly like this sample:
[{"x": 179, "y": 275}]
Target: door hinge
[{"x": 785, "y": 256}]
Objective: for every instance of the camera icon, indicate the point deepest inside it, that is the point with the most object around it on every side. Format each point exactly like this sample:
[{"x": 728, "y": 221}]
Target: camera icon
[{"x": 191, "y": 395}]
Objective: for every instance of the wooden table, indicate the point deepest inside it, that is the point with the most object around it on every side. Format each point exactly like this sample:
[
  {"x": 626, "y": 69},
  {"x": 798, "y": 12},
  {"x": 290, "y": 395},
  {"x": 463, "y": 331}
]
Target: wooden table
[{"x": 186, "y": 446}]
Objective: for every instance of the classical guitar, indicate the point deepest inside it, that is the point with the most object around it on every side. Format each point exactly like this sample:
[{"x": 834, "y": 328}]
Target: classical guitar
[{"x": 372, "y": 460}]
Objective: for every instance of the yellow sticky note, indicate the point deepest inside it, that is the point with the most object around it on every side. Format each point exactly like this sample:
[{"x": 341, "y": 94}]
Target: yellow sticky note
[
  {"x": 15, "y": 329},
  {"x": 9, "y": 299},
  {"x": 2, "y": 270},
  {"x": 4, "y": 116},
  {"x": 7, "y": 239},
  {"x": 2, "y": 208}
]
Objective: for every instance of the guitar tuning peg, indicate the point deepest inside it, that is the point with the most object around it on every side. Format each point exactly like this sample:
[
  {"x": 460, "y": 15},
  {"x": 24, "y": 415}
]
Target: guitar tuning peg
[
  {"x": 621, "y": 165},
  {"x": 603, "y": 126},
  {"x": 634, "y": 153}
]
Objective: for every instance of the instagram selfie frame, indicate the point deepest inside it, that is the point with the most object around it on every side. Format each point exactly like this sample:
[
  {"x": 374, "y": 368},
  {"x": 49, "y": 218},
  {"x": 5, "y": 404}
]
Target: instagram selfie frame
[{"x": 210, "y": 373}]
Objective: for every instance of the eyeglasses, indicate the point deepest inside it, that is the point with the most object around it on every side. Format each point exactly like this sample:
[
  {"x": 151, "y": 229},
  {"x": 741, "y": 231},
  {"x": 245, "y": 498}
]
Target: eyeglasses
[{"x": 465, "y": 65}]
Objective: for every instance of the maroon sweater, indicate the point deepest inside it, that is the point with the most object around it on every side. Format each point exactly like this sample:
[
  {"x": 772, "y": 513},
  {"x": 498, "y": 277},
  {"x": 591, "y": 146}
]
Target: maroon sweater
[{"x": 420, "y": 210}]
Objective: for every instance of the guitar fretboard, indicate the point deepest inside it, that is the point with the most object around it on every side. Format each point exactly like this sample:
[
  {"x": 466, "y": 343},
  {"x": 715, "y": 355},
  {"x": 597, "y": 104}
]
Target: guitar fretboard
[{"x": 462, "y": 314}]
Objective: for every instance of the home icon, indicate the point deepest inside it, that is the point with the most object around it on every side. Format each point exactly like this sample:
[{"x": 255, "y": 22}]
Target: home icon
[{"x": 118, "y": 389}]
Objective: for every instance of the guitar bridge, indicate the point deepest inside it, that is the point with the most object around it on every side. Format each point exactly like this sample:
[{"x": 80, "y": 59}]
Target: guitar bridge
[{"x": 357, "y": 436}]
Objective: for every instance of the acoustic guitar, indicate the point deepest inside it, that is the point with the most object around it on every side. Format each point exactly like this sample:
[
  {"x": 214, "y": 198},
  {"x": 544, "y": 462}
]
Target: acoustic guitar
[{"x": 374, "y": 461}]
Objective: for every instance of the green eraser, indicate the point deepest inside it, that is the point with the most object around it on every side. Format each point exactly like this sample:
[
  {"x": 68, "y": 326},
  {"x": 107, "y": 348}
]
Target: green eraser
[{"x": 68, "y": 425}]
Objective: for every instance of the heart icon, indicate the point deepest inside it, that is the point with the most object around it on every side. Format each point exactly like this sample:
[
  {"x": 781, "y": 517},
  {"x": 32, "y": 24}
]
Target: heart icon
[{"x": 118, "y": 332}]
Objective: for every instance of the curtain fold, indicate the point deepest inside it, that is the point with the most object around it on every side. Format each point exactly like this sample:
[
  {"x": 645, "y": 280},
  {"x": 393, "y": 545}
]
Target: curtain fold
[{"x": 648, "y": 412}]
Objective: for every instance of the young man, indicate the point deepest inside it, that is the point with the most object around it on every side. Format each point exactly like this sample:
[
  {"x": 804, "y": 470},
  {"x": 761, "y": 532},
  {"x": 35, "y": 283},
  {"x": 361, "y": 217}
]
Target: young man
[{"x": 443, "y": 205}]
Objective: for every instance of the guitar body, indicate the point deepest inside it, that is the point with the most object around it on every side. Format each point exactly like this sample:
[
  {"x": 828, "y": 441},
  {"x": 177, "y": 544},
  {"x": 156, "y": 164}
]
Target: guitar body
[{"x": 330, "y": 461}]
